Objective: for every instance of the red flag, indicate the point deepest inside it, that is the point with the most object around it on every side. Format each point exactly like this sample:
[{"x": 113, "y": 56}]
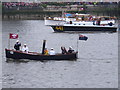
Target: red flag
[{"x": 13, "y": 36}]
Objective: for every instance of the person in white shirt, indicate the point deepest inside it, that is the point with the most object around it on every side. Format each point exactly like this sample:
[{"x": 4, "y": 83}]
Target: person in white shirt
[
  {"x": 52, "y": 52},
  {"x": 25, "y": 48}
]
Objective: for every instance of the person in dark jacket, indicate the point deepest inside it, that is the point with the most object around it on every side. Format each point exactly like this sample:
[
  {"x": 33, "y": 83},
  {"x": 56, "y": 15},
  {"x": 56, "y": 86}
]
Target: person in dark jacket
[
  {"x": 17, "y": 45},
  {"x": 98, "y": 21},
  {"x": 64, "y": 51},
  {"x": 110, "y": 24}
]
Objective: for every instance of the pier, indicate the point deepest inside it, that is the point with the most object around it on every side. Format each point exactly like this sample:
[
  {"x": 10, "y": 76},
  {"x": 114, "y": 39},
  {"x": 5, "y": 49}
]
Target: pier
[{"x": 41, "y": 10}]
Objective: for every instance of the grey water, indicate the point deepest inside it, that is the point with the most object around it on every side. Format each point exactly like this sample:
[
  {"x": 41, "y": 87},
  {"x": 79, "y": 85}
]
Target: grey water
[{"x": 96, "y": 66}]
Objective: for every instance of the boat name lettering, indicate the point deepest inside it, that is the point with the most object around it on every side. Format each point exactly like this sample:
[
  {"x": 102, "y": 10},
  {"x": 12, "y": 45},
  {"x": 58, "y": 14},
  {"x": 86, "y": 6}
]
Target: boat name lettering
[{"x": 59, "y": 27}]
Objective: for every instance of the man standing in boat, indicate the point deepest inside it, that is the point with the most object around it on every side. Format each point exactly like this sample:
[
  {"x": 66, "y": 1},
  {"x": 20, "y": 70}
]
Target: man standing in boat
[
  {"x": 25, "y": 48},
  {"x": 17, "y": 45}
]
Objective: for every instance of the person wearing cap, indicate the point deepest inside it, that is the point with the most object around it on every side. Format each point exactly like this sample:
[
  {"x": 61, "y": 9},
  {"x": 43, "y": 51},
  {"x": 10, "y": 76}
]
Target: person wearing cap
[
  {"x": 25, "y": 48},
  {"x": 17, "y": 45},
  {"x": 52, "y": 52},
  {"x": 70, "y": 50}
]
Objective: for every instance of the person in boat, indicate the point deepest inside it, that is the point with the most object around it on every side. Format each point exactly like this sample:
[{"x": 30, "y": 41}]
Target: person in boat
[
  {"x": 110, "y": 24},
  {"x": 82, "y": 18},
  {"x": 25, "y": 48},
  {"x": 45, "y": 51},
  {"x": 64, "y": 51},
  {"x": 17, "y": 45},
  {"x": 52, "y": 52},
  {"x": 70, "y": 22},
  {"x": 90, "y": 18},
  {"x": 93, "y": 21},
  {"x": 98, "y": 21},
  {"x": 70, "y": 50}
]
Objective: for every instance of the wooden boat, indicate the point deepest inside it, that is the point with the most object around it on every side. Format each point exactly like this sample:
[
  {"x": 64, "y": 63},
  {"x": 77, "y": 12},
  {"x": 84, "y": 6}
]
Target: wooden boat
[{"x": 37, "y": 56}]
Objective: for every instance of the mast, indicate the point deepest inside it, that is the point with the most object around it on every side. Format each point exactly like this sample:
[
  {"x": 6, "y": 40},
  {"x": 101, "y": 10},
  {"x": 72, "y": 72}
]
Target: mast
[{"x": 43, "y": 48}]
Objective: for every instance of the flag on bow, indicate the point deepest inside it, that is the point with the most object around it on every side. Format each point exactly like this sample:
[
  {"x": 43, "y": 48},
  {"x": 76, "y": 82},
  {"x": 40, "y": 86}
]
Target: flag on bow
[
  {"x": 82, "y": 37},
  {"x": 13, "y": 36}
]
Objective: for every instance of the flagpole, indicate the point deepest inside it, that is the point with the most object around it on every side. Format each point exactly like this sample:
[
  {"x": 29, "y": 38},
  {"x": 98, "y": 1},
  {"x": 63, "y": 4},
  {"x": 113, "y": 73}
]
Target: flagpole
[
  {"x": 77, "y": 42},
  {"x": 11, "y": 36},
  {"x": 9, "y": 41}
]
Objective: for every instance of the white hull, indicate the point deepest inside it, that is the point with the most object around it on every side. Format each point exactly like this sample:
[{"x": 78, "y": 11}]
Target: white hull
[{"x": 60, "y": 22}]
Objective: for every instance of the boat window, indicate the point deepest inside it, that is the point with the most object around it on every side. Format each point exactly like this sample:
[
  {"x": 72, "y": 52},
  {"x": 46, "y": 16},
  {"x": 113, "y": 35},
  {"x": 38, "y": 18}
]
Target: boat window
[
  {"x": 83, "y": 24},
  {"x": 79, "y": 24},
  {"x": 74, "y": 24}
]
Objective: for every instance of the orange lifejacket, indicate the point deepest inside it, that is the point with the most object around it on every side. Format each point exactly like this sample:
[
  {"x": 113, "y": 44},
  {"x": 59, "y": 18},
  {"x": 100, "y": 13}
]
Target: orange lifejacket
[{"x": 46, "y": 52}]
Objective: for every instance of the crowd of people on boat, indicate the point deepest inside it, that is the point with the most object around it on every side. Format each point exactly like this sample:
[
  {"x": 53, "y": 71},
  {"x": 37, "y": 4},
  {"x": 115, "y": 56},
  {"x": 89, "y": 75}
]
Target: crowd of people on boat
[
  {"x": 25, "y": 49},
  {"x": 63, "y": 51}
]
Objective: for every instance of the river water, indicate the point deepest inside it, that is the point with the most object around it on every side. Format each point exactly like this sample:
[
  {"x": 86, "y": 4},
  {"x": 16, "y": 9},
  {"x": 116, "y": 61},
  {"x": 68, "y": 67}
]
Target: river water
[{"x": 96, "y": 66}]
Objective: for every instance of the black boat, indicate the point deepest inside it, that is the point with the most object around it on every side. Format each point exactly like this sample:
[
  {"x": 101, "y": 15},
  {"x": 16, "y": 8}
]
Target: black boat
[
  {"x": 63, "y": 28},
  {"x": 38, "y": 56}
]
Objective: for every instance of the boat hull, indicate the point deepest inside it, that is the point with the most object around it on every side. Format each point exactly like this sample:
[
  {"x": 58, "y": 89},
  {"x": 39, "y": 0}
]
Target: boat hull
[
  {"x": 35, "y": 56},
  {"x": 57, "y": 28}
]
